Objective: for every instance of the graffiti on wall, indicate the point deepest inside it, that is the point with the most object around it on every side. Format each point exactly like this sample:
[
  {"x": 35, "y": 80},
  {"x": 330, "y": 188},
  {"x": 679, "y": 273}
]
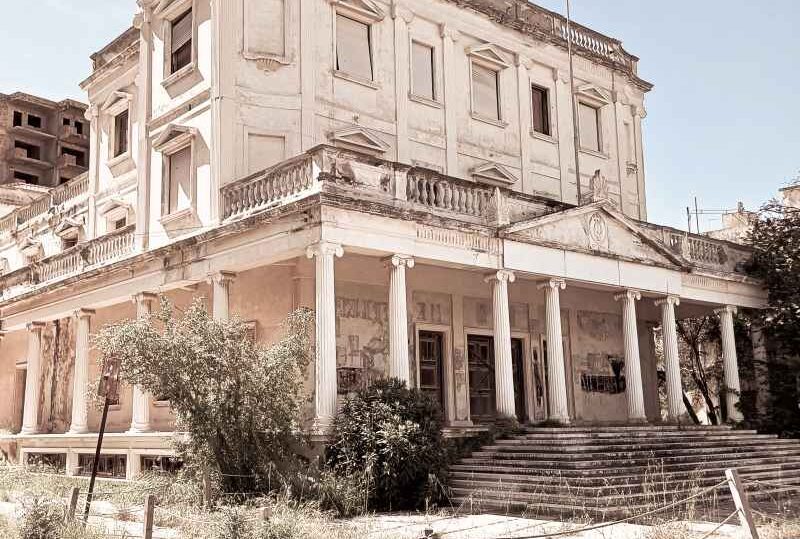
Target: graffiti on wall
[{"x": 362, "y": 343}]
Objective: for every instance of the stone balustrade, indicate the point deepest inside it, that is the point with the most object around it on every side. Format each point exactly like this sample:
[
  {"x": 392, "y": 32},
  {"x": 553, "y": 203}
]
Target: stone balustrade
[
  {"x": 84, "y": 257},
  {"x": 71, "y": 193},
  {"x": 446, "y": 193}
]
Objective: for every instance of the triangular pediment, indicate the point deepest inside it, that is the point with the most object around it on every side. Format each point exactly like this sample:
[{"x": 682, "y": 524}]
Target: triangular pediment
[
  {"x": 495, "y": 174},
  {"x": 359, "y": 138},
  {"x": 490, "y": 54},
  {"x": 593, "y": 95},
  {"x": 173, "y": 136},
  {"x": 596, "y": 229},
  {"x": 69, "y": 227},
  {"x": 117, "y": 100},
  {"x": 360, "y": 8}
]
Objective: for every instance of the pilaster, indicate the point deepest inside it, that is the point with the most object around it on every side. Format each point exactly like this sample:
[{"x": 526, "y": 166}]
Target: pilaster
[
  {"x": 221, "y": 295},
  {"x": 451, "y": 100}
]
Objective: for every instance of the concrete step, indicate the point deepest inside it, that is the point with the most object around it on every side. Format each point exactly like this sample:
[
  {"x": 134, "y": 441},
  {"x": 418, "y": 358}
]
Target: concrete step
[
  {"x": 573, "y": 441},
  {"x": 507, "y": 447}
]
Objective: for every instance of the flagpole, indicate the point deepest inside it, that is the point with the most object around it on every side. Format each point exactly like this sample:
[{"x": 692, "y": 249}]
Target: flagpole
[{"x": 576, "y": 135}]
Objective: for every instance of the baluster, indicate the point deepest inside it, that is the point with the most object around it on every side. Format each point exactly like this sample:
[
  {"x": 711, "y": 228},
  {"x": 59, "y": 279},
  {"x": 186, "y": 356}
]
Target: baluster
[
  {"x": 438, "y": 196},
  {"x": 448, "y": 195},
  {"x": 423, "y": 198}
]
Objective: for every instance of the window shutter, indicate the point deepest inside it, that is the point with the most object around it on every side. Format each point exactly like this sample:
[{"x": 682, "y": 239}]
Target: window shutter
[
  {"x": 485, "y": 92},
  {"x": 182, "y": 30},
  {"x": 121, "y": 133},
  {"x": 180, "y": 179},
  {"x": 353, "y": 54},
  {"x": 588, "y": 127},
  {"x": 422, "y": 70},
  {"x": 541, "y": 110}
]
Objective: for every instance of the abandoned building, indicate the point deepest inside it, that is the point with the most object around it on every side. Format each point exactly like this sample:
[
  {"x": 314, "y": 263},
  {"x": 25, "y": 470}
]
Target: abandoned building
[
  {"x": 42, "y": 142},
  {"x": 407, "y": 168}
]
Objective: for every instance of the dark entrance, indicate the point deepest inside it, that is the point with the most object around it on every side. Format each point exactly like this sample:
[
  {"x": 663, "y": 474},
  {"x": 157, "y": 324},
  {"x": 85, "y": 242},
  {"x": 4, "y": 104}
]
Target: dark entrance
[
  {"x": 480, "y": 354},
  {"x": 431, "y": 360},
  {"x": 518, "y": 365}
]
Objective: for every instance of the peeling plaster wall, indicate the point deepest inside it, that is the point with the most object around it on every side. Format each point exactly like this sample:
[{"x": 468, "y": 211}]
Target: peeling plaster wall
[{"x": 58, "y": 364}]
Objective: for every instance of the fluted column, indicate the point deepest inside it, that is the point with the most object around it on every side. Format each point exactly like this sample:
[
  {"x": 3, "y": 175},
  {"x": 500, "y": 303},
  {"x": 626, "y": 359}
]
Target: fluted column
[
  {"x": 730, "y": 363},
  {"x": 633, "y": 365},
  {"x": 221, "y": 300},
  {"x": 558, "y": 408},
  {"x": 503, "y": 369},
  {"x": 325, "y": 399},
  {"x": 30, "y": 418},
  {"x": 672, "y": 365},
  {"x": 398, "y": 318},
  {"x": 80, "y": 376},
  {"x": 140, "y": 418}
]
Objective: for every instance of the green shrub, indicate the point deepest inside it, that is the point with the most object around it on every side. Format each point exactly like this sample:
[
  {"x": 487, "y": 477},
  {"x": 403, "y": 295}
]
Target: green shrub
[
  {"x": 390, "y": 437},
  {"x": 41, "y": 519}
]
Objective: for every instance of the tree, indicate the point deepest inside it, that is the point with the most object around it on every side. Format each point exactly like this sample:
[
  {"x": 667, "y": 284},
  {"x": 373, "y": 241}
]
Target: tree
[
  {"x": 237, "y": 405},
  {"x": 698, "y": 371}
]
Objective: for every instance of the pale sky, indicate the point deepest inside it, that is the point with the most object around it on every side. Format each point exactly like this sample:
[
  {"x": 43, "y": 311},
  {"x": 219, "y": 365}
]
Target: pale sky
[{"x": 722, "y": 120}]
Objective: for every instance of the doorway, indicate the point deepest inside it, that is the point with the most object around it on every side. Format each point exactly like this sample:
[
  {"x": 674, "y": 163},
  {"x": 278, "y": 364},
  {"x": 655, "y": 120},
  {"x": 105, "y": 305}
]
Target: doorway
[
  {"x": 518, "y": 369},
  {"x": 482, "y": 385},
  {"x": 431, "y": 366}
]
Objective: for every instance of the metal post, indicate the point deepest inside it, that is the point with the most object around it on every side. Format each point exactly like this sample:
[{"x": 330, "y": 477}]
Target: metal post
[
  {"x": 96, "y": 462},
  {"x": 72, "y": 505},
  {"x": 149, "y": 516},
  {"x": 742, "y": 503}
]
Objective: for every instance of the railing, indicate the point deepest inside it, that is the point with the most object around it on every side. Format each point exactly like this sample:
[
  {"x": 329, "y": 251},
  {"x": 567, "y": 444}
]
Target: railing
[
  {"x": 115, "y": 245},
  {"x": 698, "y": 249},
  {"x": 36, "y": 208},
  {"x": 60, "y": 265},
  {"x": 273, "y": 185},
  {"x": 70, "y": 190},
  {"x": 450, "y": 194},
  {"x": 590, "y": 41}
]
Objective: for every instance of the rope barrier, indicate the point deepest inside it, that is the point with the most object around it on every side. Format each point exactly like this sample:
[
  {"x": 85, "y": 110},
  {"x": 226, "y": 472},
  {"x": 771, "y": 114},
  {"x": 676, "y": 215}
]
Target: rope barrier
[
  {"x": 721, "y": 524},
  {"x": 616, "y": 522},
  {"x": 785, "y": 486}
]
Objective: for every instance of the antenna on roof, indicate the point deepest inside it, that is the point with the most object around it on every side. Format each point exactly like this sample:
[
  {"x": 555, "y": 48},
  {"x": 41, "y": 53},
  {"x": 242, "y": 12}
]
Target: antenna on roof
[{"x": 576, "y": 136}]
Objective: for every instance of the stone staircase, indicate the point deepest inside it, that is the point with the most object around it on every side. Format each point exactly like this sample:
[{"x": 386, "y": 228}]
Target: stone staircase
[{"x": 613, "y": 472}]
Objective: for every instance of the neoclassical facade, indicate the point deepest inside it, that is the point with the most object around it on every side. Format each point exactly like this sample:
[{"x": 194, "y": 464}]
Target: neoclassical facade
[{"x": 406, "y": 168}]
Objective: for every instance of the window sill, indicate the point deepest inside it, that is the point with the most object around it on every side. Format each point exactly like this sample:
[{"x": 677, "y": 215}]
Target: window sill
[
  {"x": 425, "y": 101},
  {"x": 593, "y": 153},
  {"x": 120, "y": 164},
  {"x": 358, "y": 80},
  {"x": 178, "y": 217},
  {"x": 545, "y": 138},
  {"x": 492, "y": 121},
  {"x": 183, "y": 73}
]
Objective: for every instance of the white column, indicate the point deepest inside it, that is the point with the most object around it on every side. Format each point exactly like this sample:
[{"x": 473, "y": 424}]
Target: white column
[
  {"x": 221, "y": 296},
  {"x": 92, "y": 114},
  {"x": 633, "y": 366},
  {"x": 325, "y": 399},
  {"x": 671, "y": 359},
  {"x": 30, "y": 418},
  {"x": 140, "y": 419},
  {"x": 730, "y": 364},
  {"x": 558, "y": 408},
  {"x": 503, "y": 370},
  {"x": 80, "y": 376},
  {"x": 398, "y": 318},
  {"x": 144, "y": 109}
]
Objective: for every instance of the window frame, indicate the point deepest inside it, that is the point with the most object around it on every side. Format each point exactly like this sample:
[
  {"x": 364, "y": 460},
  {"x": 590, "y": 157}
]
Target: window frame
[
  {"x": 173, "y": 140},
  {"x": 434, "y": 73},
  {"x": 370, "y": 46},
  {"x": 114, "y": 140},
  {"x": 170, "y": 15},
  {"x": 598, "y": 110},
  {"x": 369, "y": 15},
  {"x": 489, "y": 57},
  {"x": 547, "y": 112}
]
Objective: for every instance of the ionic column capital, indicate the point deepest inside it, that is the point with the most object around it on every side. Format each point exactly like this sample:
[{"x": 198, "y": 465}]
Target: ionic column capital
[
  {"x": 401, "y": 260},
  {"x": 85, "y": 313},
  {"x": 629, "y": 295},
  {"x": 325, "y": 249},
  {"x": 501, "y": 276},
  {"x": 553, "y": 284},
  {"x": 672, "y": 300},
  {"x": 35, "y": 327},
  {"x": 222, "y": 277},
  {"x": 732, "y": 309},
  {"x": 144, "y": 297}
]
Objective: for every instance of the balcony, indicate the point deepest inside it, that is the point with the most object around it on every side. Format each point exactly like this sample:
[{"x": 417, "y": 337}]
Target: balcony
[
  {"x": 70, "y": 134},
  {"x": 72, "y": 262},
  {"x": 64, "y": 197},
  {"x": 70, "y": 164},
  {"x": 21, "y": 156}
]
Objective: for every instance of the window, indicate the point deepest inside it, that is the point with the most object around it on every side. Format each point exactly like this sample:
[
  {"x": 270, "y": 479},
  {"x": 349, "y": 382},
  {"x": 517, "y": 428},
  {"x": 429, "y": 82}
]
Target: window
[
  {"x": 65, "y": 121},
  {"x": 69, "y": 243},
  {"x": 162, "y": 465},
  {"x": 107, "y": 465},
  {"x": 353, "y": 47},
  {"x": 34, "y": 121},
  {"x": 589, "y": 127},
  {"x": 485, "y": 92},
  {"x": 47, "y": 462},
  {"x": 179, "y": 178},
  {"x": 541, "y": 110},
  {"x": 121, "y": 133},
  {"x": 120, "y": 223},
  {"x": 17, "y": 118},
  {"x": 31, "y": 151},
  {"x": 27, "y": 178},
  {"x": 80, "y": 157},
  {"x": 181, "y": 41},
  {"x": 422, "y": 71},
  {"x": 79, "y": 127}
]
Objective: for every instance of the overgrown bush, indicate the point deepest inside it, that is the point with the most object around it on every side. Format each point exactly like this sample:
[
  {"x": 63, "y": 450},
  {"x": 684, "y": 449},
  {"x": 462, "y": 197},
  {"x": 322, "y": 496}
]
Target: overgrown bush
[
  {"x": 237, "y": 404},
  {"x": 41, "y": 519},
  {"x": 389, "y": 437}
]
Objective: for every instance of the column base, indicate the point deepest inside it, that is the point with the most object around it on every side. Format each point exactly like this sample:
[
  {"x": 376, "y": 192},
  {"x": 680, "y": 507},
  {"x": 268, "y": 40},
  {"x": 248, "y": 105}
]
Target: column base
[
  {"x": 78, "y": 430},
  {"x": 638, "y": 421},
  {"x": 28, "y": 432},
  {"x": 139, "y": 429}
]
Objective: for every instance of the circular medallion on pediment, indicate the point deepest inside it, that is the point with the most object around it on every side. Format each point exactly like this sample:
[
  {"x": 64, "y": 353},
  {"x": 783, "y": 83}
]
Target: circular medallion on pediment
[{"x": 597, "y": 231}]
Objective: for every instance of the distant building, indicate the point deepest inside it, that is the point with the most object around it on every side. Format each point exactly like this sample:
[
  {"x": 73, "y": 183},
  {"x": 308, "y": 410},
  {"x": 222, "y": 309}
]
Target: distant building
[{"x": 42, "y": 142}]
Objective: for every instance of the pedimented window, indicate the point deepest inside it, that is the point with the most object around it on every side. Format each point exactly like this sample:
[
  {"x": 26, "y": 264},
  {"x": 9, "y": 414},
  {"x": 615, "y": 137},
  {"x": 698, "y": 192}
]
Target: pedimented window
[
  {"x": 494, "y": 174},
  {"x": 359, "y": 139}
]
